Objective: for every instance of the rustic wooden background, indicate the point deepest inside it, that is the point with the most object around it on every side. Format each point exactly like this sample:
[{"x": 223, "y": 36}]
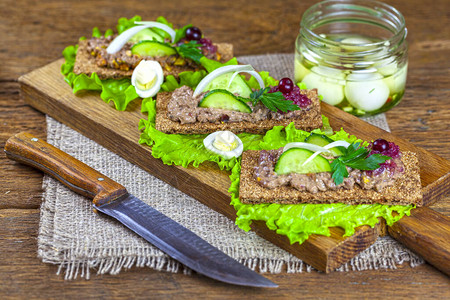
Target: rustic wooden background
[{"x": 33, "y": 34}]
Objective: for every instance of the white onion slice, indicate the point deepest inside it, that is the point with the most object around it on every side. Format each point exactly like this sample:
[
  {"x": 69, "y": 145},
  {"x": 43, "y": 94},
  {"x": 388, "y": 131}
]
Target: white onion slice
[
  {"x": 123, "y": 38},
  {"x": 337, "y": 144},
  {"x": 327, "y": 147},
  {"x": 227, "y": 69},
  {"x": 307, "y": 146},
  {"x": 312, "y": 157},
  {"x": 232, "y": 78}
]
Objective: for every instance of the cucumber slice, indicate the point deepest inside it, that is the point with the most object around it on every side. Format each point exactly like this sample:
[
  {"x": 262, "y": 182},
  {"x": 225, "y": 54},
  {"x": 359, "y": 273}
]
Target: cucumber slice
[
  {"x": 237, "y": 86},
  {"x": 323, "y": 140},
  {"x": 225, "y": 100},
  {"x": 152, "y": 49},
  {"x": 146, "y": 35},
  {"x": 292, "y": 161}
]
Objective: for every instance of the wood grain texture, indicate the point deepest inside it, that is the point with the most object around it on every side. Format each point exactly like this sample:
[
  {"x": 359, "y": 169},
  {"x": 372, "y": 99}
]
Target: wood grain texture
[
  {"x": 24, "y": 276},
  {"x": 76, "y": 175},
  {"x": 46, "y": 90},
  {"x": 427, "y": 233},
  {"x": 34, "y": 34}
]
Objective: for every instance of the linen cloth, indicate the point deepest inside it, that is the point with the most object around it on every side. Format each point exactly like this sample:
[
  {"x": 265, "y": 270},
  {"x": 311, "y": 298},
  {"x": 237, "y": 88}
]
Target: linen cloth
[{"x": 79, "y": 241}]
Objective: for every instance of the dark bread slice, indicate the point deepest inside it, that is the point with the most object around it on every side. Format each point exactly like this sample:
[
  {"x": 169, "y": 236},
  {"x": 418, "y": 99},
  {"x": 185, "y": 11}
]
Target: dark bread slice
[
  {"x": 406, "y": 190},
  {"x": 85, "y": 63},
  {"x": 307, "y": 120}
]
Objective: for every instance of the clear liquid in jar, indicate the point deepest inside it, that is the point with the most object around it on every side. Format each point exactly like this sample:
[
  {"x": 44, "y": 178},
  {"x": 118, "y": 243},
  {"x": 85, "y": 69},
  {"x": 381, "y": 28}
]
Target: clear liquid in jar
[{"x": 368, "y": 87}]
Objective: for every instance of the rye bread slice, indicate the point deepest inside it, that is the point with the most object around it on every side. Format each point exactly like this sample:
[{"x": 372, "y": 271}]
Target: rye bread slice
[
  {"x": 85, "y": 63},
  {"x": 308, "y": 120},
  {"x": 406, "y": 190}
]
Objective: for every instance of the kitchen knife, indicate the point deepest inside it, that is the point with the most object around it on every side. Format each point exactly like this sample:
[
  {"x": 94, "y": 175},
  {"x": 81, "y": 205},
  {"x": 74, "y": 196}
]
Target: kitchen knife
[{"x": 111, "y": 198}]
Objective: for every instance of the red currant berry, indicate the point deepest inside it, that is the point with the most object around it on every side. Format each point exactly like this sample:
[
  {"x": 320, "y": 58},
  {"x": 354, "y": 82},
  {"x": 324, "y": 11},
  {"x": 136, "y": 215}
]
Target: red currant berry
[
  {"x": 193, "y": 34},
  {"x": 380, "y": 145},
  {"x": 286, "y": 85}
]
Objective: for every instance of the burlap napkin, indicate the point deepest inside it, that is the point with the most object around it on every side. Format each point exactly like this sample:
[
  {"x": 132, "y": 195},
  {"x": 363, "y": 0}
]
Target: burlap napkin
[{"x": 72, "y": 236}]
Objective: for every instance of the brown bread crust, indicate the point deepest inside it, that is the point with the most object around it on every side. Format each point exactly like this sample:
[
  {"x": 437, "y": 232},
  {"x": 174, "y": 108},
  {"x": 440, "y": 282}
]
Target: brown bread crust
[{"x": 406, "y": 190}]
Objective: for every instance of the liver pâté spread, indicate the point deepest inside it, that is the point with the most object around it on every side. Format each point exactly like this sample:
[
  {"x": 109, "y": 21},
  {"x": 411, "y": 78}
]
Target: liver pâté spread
[
  {"x": 183, "y": 108},
  {"x": 265, "y": 175},
  {"x": 125, "y": 60}
]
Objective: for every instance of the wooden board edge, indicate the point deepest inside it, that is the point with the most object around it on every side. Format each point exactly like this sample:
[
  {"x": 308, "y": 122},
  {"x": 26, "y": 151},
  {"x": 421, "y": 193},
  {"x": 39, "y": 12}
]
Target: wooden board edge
[{"x": 427, "y": 233}]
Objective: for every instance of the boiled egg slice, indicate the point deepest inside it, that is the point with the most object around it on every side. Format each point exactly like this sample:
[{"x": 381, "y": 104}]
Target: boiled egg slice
[
  {"x": 147, "y": 78},
  {"x": 224, "y": 143}
]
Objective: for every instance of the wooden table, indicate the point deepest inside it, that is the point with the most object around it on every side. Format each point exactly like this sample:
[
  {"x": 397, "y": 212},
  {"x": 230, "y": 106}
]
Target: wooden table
[{"x": 33, "y": 35}]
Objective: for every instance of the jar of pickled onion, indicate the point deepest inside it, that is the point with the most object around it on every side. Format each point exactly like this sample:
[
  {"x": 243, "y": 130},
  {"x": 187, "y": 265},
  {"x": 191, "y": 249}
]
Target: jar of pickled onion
[{"x": 355, "y": 53}]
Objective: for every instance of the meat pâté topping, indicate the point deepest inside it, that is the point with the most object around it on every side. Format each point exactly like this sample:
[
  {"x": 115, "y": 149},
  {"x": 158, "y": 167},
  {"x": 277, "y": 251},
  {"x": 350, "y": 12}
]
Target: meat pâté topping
[
  {"x": 185, "y": 107},
  {"x": 378, "y": 178}
]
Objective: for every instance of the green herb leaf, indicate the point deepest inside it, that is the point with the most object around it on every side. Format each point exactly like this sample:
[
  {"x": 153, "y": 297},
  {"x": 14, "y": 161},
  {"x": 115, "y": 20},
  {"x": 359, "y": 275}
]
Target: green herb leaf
[
  {"x": 339, "y": 171},
  {"x": 370, "y": 163},
  {"x": 355, "y": 157},
  {"x": 258, "y": 93},
  {"x": 190, "y": 50},
  {"x": 273, "y": 101}
]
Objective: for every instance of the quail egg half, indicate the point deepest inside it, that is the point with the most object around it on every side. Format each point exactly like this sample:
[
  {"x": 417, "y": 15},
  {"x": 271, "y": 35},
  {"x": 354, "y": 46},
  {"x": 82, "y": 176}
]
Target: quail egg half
[
  {"x": 224, "y": 143},
  {"x": 147, "y": 78}
]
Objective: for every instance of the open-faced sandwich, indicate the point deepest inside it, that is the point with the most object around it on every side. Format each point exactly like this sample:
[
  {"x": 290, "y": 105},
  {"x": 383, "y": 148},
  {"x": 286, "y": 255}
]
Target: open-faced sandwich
[
  {"x": 106, "y": 62},
  {"x": 321, "y": 170},
  {"x": 224, "y": 101}
]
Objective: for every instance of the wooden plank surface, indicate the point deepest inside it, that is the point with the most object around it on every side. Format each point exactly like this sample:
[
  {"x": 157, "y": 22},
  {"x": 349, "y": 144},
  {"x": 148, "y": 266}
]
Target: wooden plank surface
[
  {"x": 34, "y": 34},
  {"x": 426, "y": 231},
  {"x": 46, "y": 90}
]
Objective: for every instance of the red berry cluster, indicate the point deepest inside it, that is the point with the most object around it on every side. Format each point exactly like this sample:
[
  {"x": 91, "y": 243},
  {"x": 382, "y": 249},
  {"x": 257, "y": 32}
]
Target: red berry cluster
[
  {"x": 383, "y": 147},
  {"x": 195, "y": 34},
  {"x": 291, "y": 92}
]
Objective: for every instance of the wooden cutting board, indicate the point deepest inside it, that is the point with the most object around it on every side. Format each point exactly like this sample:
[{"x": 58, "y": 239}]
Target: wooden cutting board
[{"x": 46, "y": 90}]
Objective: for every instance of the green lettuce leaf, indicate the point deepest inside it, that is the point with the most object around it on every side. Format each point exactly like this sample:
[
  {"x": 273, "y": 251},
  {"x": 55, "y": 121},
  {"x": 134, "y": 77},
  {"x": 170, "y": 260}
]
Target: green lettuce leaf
[
  {"x": 210, "y": 64},
  {"x": 189, "y": 78},
  {"x": 120, "y": 92},
  {"x": 124, "y": 23},
  {"x": 161, "y": 32},
  {"x": 268, "y": 81}
]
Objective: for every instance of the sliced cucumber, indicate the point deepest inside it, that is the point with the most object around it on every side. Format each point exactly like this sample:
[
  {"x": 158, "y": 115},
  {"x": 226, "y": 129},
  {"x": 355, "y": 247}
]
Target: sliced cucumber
[
  {"x": 225, "y": 100},
  {"x": 323, "y": 140},
  {"x": 146, "y": 35},
  {"x": 292, "y": 161},
  {"x": 152, "y": 49},
  {"x": 237, "y": 86}
]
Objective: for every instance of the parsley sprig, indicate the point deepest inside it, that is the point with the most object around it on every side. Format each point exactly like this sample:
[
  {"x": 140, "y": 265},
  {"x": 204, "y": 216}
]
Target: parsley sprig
[
  {"x": 356, "y": 157},
  {"x": 190, "y": 50},
  {"x": 273, "y": 101}
]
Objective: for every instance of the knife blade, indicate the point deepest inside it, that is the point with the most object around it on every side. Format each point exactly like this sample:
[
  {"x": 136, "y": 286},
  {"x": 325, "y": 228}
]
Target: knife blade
[{"x": 111, "y": 198}]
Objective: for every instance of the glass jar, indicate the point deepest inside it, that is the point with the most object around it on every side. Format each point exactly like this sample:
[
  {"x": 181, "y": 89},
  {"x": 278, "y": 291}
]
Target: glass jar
[{"x": 355, "y": 53}]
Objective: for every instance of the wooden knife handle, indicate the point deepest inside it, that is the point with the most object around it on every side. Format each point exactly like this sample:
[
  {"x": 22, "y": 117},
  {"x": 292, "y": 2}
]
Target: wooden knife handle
[
  {"x": 427, "y": 233},
  {"x": 76, "y": 175}
]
